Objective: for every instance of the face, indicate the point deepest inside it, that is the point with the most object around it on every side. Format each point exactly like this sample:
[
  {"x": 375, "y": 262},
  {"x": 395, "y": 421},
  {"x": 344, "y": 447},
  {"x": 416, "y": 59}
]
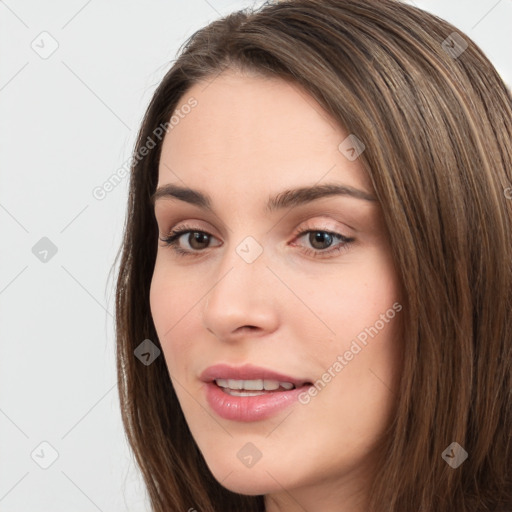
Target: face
[{"x": 277, "y": 312}]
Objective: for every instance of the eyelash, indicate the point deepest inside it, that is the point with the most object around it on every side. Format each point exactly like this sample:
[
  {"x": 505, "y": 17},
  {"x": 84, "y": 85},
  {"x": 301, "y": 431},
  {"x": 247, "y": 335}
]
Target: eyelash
[{"x": 172, "y": 241}]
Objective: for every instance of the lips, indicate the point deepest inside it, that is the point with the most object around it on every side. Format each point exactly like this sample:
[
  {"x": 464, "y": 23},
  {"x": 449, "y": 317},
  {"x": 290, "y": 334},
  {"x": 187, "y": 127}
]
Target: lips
[{"x": 249, "y": 393}]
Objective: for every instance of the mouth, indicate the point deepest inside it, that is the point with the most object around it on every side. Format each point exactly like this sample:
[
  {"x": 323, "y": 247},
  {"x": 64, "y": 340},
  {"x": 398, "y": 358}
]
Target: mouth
[
  {"x": 250, "y": 393},
  {"x": 253, "y": 387}
]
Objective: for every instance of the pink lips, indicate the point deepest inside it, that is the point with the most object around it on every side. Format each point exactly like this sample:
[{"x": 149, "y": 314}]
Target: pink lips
[{"x": 248, "y": 408}]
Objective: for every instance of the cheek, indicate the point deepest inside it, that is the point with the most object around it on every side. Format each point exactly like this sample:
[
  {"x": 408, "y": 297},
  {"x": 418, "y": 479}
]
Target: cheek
[
  {"x": 161, "y": 302},
  {"x": 352, "y": 299},
  {"x": 171, "y": 304},
  {"x": 172, "y": 298},
  {"x": 362, "y": 361}
]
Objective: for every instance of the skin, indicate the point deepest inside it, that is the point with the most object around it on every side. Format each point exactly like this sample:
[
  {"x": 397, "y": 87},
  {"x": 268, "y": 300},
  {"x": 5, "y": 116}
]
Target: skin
[{"x": 248, "y": 138}]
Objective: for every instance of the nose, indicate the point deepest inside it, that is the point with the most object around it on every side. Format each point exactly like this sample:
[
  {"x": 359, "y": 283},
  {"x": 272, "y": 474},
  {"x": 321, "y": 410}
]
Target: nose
[{"x": 242, "y": 300}]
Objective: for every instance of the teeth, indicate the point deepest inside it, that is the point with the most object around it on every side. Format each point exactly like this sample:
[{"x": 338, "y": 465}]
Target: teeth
[
  {"x": 249, "y": 385},
  {"x": 270, "y": 385},
  {"x": 253, "y": 385},
  {"x": 237, "y": 392},
  {"x": 235, "y": 384}
]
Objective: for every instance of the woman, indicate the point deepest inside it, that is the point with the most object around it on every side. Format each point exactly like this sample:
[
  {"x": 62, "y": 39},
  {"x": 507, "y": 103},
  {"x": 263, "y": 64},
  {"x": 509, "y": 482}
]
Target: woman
[{"x": 315, "y": 290}]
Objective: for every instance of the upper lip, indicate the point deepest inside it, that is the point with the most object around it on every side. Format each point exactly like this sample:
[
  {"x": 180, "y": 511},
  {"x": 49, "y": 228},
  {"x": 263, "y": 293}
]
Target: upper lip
[{"x": 247, "y": 372}]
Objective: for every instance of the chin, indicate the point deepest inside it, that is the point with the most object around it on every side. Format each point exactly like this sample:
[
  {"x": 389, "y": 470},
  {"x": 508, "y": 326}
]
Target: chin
[{"x": 248, "y": 481}]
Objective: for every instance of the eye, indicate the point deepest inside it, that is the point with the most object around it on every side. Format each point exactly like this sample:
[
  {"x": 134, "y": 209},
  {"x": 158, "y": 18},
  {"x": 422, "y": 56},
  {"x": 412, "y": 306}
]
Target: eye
[
  {"x": 321, "y": 240},
  {"x": 197, "y": 240}
]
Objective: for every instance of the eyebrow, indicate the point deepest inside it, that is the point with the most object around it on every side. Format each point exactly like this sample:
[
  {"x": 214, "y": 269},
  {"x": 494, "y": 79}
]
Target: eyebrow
[{"x": 284, "y": 199}]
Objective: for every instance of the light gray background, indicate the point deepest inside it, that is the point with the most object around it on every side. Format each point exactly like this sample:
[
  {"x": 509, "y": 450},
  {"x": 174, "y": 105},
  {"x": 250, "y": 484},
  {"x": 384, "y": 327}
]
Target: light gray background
[{"x": 68, "y": 122}]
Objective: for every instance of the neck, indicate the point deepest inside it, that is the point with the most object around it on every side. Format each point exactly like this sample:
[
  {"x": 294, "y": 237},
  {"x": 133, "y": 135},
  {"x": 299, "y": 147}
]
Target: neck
[{"x": 336, "y": 496}]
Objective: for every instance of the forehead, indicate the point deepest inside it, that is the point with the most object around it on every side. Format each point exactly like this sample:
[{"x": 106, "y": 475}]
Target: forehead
[{"x": 258, "y": 128}]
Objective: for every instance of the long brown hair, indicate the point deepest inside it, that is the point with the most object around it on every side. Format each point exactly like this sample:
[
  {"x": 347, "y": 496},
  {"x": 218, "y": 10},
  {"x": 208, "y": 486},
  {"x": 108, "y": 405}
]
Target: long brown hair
[{"x": 436, "y": 121}]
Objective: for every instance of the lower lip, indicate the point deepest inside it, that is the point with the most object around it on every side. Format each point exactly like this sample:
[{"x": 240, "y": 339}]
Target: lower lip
[{"x": 249, "y": 408}]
